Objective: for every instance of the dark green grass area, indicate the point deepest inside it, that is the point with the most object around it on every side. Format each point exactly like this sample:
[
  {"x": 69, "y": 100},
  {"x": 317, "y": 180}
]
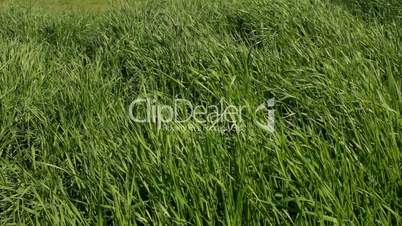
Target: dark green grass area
[
  {"x": 389, "y": 11},
  {"x": 70, "y": 155},
  {"x": 61, "y": 5}
]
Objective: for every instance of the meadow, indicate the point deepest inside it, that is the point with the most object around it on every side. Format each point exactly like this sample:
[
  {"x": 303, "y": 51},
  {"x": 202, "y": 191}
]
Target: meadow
[{"x": 71, "y": 155}]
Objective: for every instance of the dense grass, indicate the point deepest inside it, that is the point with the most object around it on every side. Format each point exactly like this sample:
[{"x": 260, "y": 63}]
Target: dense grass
[
  {"x": 62, "y": 5},
  {"x": 69, "y": 153}
]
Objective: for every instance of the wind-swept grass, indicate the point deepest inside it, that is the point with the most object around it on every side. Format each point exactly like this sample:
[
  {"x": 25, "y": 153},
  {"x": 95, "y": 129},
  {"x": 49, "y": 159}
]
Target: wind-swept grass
[
  {"x": 69, "y": 153},
  {"x": 83, "y": 6}
]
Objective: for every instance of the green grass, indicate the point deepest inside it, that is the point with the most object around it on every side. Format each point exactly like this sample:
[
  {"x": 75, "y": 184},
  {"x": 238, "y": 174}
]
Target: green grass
[
  {"x": 69, "y": 153},
  {"x": 61, "y": 5}
]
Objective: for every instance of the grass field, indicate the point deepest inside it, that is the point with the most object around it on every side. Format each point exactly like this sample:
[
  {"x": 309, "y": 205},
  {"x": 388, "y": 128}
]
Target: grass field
[{"x": 71, "y": 155}]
